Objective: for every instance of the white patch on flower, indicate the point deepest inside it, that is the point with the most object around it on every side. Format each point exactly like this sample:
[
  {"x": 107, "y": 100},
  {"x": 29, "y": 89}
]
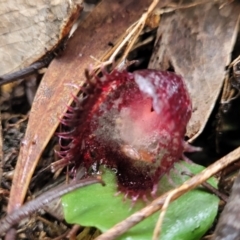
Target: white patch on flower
[{"x": 148, "y": 87}]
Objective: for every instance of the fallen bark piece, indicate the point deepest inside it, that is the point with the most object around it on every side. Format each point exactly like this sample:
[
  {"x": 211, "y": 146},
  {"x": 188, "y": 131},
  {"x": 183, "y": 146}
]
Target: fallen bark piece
[{"x": 28, "y": 31}]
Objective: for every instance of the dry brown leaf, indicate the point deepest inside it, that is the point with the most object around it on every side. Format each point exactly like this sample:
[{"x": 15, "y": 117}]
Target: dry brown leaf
[
  {"x": 29, "y": 29},
  {"x": 91, "y": 38},
  {"x": 197, "y": 43}
]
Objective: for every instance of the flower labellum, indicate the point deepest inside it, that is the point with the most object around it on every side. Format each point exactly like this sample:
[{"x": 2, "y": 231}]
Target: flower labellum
[{"x": 133, "y": 123}]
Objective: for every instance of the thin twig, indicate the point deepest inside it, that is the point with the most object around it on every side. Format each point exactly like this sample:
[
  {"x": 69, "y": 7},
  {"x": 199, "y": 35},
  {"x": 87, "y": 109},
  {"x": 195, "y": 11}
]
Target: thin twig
[
  {"x": 210, "y": 188},
  {"x": 23, "y": 73},
  {"x": 235, "y": 61},
  {"x": 130, "y": 38},
  {"x": 157, "y": 229},
  {"x": 32, "y": 206},
  {"x": 136, "y": 30},
  {"x": 156, "y": 205}
]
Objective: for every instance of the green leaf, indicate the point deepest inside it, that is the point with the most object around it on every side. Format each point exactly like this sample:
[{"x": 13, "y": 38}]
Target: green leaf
[{"x": 187, "y": 218}]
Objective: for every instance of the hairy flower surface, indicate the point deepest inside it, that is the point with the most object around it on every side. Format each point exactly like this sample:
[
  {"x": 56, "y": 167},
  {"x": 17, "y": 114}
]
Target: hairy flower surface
[{"x": 133, "y": 123}]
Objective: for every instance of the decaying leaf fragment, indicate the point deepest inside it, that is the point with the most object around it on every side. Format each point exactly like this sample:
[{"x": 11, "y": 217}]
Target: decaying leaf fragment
[
  {"x": 197, "y": 42},
  {"x": 30, "y": 29}
]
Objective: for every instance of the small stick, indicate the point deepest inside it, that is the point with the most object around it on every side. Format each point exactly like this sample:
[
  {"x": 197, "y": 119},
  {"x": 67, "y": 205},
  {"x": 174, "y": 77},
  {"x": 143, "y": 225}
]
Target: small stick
[
  {"x": 16, "y": 216},
  {"x": 157, "y": 229},
  {"x": 33, "y": 68},
  {"x": 210, "y": 188},
  {"x": 130, "y": 38},
  {"x": 7, "y": 78}
]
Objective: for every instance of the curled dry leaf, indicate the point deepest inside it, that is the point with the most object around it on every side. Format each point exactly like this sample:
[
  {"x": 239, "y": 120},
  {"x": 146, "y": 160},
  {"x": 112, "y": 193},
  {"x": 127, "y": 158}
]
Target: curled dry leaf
[
  {"x": 29, "y": 30},
  {"x": 91, "y": 38},
  {"x": 197, "y": 43}
]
